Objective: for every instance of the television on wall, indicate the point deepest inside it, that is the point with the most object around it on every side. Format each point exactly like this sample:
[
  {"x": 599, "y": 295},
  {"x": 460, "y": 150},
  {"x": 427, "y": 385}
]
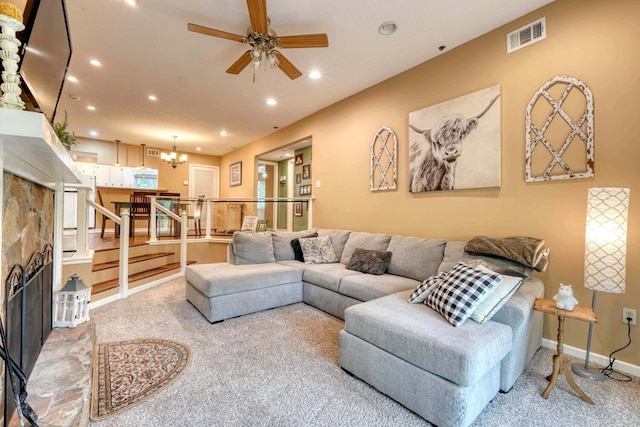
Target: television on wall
[{"x": 46, "y": 53}]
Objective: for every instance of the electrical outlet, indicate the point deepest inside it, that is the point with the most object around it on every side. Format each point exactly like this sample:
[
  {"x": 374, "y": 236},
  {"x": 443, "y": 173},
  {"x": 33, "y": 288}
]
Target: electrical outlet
[{"x": 629, "y": 312}]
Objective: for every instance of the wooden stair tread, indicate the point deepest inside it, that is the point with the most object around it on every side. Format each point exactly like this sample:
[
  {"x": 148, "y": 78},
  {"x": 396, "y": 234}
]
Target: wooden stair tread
[
  {"x": 113, "y": 283},
  {"x": 132, "y": 260}
]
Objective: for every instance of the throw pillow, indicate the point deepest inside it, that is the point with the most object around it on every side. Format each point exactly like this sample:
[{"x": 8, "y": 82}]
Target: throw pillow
[
  {"x": 496, "y": 298},
  {"x": 318, "y": 250},
  {"x": 369, "y": 261},
  {"x": 422, "y": 291},
  {"x": 253, "y": 248},
  {"x": 461, "y": 291},
  {"x": 297, "y": 249},
  {"x": 282, "y": 243}
]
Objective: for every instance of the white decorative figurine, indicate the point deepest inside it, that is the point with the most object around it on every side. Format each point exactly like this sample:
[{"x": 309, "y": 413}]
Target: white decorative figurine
[{"x": 564, "y": 298}]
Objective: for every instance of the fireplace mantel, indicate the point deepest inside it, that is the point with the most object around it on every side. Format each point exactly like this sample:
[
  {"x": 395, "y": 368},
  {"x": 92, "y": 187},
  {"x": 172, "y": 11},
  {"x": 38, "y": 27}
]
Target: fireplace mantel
[{"x": 32, "y": 149}]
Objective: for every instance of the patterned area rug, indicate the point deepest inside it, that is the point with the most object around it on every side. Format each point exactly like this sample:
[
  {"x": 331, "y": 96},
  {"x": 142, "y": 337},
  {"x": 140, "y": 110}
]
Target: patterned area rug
[{"x": 126, "y": 373}]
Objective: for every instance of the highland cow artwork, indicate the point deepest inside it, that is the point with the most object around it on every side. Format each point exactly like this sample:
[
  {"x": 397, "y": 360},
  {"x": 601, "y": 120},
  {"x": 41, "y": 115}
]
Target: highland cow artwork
[{"x": 456, "y": 144}]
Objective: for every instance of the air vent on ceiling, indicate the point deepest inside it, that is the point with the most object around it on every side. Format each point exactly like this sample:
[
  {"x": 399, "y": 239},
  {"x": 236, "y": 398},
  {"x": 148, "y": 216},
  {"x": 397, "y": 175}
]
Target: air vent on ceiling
[
  {"x": 526, "y": 35},
  {"x": 152, "y": 152}
]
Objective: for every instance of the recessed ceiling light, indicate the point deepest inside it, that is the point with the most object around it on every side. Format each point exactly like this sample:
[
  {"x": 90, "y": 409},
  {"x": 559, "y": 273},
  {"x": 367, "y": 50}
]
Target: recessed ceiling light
[
  {"x": 315, "y": 75},
  {"x": 198, "y": 148},
  {"x": 224, "y": 133},
  {"x": 387, "y": 28},
  {"x": 72, "y": 79},
  {"x": 287, "y": 154},
  {"x": 91, "y": 107},
  {"x": 95, "y": 63},
  {"x": 271, "y": 101},
  {"x": 93, "y": 133},
  {"x": 152, "y": 98},
  {"x": 132, "y": 2}
]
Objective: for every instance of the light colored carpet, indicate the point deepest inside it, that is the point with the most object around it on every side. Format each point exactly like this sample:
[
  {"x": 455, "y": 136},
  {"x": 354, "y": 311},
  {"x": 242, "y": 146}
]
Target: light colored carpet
[{"x": 280, "y": 368}]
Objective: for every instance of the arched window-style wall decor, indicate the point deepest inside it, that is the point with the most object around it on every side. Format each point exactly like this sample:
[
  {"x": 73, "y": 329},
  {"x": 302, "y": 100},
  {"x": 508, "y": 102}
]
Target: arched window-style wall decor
[
  {"x": 384, "y": 160},
  {"x": 560, "y": 131}
]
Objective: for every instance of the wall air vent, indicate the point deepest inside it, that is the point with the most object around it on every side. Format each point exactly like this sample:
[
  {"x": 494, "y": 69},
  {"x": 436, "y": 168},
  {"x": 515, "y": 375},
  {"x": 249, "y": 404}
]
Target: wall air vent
[
  {"x": 524, "y": 36},
  {"x": 152, "y": 152}
]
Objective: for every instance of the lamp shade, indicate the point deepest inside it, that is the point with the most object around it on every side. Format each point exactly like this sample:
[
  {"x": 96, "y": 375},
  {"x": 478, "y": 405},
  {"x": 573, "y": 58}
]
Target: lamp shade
[{"x": 606, "y": 239}]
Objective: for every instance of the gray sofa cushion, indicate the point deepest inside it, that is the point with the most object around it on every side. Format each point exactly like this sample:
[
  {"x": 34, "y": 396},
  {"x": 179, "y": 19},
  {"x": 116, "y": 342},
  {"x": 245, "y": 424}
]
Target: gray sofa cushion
[
  {"x": 338, "y": 239},
  {"x": 420, "y": 336},
  {"x": 359, "y": 239},
  {"x": 326, "y": 275},
  {"x": 365, "y": 287},
  {"x": 223, "y": 278},
  {"x": 415, "y": 257},
  {"x": 282, "y": 249},
  {"x": 253, "y": 248}
]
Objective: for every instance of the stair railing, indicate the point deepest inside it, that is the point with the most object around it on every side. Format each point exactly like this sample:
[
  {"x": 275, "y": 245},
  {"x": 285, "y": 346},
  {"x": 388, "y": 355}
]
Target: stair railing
[
  {"x": 123, "y": 256},
  {"x": 182, "y": 220}
]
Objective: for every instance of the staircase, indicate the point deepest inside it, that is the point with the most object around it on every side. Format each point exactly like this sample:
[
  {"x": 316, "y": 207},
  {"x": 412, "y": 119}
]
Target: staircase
[{"x": 147, "y": 263}]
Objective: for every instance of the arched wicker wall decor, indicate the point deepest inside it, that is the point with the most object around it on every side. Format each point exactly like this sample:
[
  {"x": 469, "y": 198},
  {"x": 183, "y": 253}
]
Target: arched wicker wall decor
[
  {"x": 384, "y": 160},
  {"x": 579, "y": 131}
]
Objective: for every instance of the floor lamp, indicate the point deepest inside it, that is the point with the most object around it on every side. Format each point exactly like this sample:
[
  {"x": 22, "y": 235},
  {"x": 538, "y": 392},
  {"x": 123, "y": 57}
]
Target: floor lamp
[{"x": 605, "y": 253}]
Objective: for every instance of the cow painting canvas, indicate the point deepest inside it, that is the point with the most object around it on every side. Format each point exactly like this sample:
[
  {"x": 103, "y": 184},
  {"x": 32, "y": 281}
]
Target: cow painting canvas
[{"x": 456, "y": 144}]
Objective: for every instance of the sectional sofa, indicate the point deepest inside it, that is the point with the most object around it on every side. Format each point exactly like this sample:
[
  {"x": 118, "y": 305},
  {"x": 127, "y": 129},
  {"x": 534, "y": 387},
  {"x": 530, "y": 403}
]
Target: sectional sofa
[{"x": 447, "y": 374}]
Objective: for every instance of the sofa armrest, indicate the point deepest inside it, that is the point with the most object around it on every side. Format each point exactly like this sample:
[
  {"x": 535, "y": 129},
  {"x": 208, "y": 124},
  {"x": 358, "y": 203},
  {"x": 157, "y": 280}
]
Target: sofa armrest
[
  {"x": 518, "y": 309},
  {"x": 231, "y": 257}
]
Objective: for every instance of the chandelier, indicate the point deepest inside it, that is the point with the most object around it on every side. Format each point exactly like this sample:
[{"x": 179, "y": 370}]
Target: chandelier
[{"x": 172, "y": 157}]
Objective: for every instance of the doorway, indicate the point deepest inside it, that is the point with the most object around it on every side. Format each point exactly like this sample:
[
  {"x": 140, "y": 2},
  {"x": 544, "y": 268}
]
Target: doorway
[
  {"x": 267, "y": 189},
  {"x": 204, "y": 180}
]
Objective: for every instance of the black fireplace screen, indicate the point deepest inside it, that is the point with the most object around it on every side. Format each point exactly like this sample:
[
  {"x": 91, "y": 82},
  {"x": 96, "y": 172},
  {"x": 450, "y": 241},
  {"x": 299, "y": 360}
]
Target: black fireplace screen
[{"x": 28, "y": 302}]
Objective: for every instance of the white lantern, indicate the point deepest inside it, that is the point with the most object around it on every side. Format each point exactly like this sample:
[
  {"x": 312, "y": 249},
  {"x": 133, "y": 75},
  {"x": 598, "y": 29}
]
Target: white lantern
[{"x": 71, "y": 305}]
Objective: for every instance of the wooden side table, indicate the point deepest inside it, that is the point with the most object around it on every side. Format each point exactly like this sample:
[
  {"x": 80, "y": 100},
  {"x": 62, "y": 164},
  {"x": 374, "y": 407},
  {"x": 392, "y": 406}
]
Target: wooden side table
[{"x": 560, "y": 363}]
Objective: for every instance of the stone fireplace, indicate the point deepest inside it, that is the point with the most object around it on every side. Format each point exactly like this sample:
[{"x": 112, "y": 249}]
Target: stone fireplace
[
  {"x": 36, "y": 167},
  {"x": 27, "y": 254}
]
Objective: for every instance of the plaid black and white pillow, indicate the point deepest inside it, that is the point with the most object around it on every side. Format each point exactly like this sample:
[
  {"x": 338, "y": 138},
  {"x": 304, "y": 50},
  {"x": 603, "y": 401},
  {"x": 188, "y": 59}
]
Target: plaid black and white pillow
[
  {"x": 460, "y": 292},
  {"x": 422, "y": 291}
]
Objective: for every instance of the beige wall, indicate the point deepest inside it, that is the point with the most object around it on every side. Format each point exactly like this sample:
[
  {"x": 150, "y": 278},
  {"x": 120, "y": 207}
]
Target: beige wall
[{"x": 592, "y": 40}]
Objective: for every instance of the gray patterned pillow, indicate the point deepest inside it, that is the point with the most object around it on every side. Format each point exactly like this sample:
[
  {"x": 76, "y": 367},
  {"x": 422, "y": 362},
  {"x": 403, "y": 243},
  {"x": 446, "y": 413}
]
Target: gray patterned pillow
[
  {"x": 318, "y": 250},
  {"x": 369, "y": 261}
]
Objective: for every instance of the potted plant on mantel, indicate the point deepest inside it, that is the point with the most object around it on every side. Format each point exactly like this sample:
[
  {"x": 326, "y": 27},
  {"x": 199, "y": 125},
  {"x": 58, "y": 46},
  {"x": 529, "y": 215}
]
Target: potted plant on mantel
[{"x": 67, "y": 139}]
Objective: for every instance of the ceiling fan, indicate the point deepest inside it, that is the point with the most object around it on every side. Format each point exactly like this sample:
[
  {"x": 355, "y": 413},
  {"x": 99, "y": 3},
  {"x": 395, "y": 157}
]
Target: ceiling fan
[{"x": 264, "y": 42}]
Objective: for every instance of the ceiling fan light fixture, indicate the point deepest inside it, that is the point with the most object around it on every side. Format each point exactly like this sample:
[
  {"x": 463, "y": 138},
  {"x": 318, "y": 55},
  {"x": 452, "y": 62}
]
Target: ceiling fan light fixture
[{"x": 387, "y": 28}]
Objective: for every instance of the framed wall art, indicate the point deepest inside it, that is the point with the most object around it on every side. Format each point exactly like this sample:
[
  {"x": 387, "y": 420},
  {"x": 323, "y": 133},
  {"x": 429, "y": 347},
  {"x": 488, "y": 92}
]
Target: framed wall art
[
  {"x": 299, "y": 159},
  {"x": 305, "y": 190},
  {"x": 297, "y": 208},
  {"x": 560, "y": 138},
  {"x": 306, "y": 171},
  {"x": 383, "y": 172},
  {"x": 249, "y": 223},
  {"x": 298, "y": 178},
  {"x": 235, "y": 174},
  {"x": 456, "y": 144}
]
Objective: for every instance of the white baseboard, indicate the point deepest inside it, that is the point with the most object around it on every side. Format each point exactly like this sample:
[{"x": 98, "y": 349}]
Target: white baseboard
[
  {"x": 135, "y": 290},
  {"x": 597, "y": 359}
]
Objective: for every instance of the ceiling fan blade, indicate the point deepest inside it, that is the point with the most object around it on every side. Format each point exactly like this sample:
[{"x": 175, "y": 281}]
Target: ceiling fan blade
[
  {"x": 241, "y": 63},
  {"x": 287, "y": 67},
  {"x": 305, "y": 40},
  {"x": 215, "y": 33},
  {"x": 258, "y": 15}
]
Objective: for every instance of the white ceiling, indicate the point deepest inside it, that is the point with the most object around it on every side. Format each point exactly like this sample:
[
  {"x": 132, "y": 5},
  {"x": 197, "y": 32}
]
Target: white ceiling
[{"x": 147, "y": 50}]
